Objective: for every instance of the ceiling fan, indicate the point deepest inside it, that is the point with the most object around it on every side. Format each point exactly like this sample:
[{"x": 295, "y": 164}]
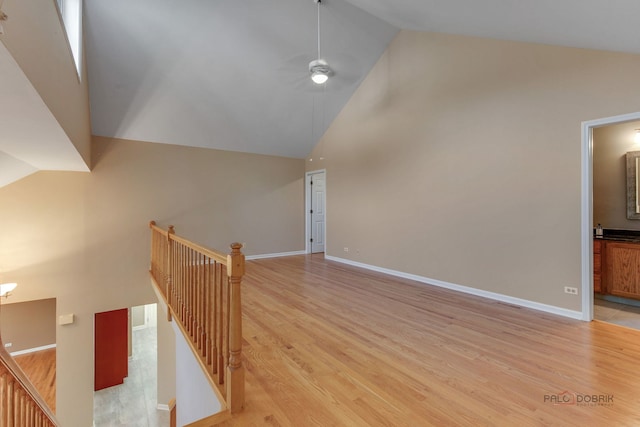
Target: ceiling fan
[
  {"x": 318, "y": 75},
  {"x": 319, "y": 68}
]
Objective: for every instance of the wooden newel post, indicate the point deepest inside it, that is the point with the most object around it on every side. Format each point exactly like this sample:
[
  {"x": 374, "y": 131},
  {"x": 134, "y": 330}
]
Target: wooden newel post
[
  {"x": 235, "y": 370},
  {"x": 168, "y": 267}
]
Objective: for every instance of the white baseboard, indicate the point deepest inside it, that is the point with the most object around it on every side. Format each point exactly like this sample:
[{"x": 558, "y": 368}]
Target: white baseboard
[
  {"x": 162, "y": 407},
  {"x": 33, "y": 350},
  {"x": 466, "y": 289},
  {"x": 276, "y": 255}
]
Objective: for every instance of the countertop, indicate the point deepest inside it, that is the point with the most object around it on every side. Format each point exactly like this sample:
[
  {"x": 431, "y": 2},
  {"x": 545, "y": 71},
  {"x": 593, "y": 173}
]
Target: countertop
[{"x": 631, "y": 236}]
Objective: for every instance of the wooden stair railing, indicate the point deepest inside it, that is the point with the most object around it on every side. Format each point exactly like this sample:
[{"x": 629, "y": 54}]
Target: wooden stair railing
[
  {"x": 20, "y": 403},
  {"x": 201, "y": 288}
]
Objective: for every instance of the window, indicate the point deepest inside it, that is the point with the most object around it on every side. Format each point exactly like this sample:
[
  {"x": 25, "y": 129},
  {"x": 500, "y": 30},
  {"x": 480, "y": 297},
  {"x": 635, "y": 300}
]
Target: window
[{"x": 71, "y": 12}]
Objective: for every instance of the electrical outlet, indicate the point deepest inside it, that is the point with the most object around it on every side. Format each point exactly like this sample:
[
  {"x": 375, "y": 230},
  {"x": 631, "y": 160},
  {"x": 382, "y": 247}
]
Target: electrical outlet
[
  {"x": 7, "y": 345},
  {"x": 346, "y": 249},
  {"x": 570, "y": 290}
]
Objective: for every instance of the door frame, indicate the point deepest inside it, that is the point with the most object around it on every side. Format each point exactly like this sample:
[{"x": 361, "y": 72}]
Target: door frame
[
  {"x": 307, "y": 209},
  {"x": 587, "y": 206}
]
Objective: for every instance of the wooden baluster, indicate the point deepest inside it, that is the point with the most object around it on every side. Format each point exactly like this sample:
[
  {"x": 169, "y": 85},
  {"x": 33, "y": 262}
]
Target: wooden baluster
[
  {"x": 185, "y": 319},
  {"x": 175, "y": 276},
  {"x": 235, "y": 369},
  {"x": 180, "y": 302},
  {"x": 214, "y": 319},
  {"x": 192, "y": 286},
  {"x": 182, "y": 282},
  {"x": 167, "y": 250},
  {"x": 193, "y": 290},
  {"x": 220, "y": 331},
  {"x": 3, "y": 399},
  {"x": 187, "y": 289},
  {"x": 176, "y": 279},
  {"x": 22, "y": 415},
  {"x": 225, "y": 330},
  {"x": 207, "y": 312},
  {"x": 19, "y": 400},
  {"x": 198, "y": 302},
  {"x": 180, "y": 273},
  {"x": 193, "y": 305},
  {"x": 11, "y": 396},
  {"x": 194, "y": 294},
  {"x": 31, "y": 413},
  {"x": 201, "y": 305},
  {"x": 201, "y": 269},
  {"x": 212, "y": 315},
  {"x": 185, "y": 283}
]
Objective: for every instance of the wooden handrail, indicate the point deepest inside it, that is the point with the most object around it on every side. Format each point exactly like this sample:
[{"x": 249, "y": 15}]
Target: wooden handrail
[
  {"x": 20, "y": 403},
  {"x": 201, "y": 288},
  {"x": 172, "y": 413}
]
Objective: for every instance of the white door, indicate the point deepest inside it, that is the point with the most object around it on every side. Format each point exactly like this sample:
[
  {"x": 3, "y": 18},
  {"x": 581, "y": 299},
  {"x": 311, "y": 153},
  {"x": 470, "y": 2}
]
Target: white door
[
  {"x": 151, "y": 315},
  {"x": 317, "y": 189}
]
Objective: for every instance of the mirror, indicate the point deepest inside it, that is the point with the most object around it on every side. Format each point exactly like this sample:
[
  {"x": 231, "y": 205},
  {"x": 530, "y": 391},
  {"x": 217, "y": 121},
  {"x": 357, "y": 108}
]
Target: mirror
[{"x": 633, "y": 174}]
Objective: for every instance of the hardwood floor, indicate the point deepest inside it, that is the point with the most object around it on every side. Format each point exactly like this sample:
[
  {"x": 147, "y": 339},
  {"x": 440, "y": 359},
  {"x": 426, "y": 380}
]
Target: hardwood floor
[
  {"x": 40, "y": 367},
  {"x": 332, "y": 345}
]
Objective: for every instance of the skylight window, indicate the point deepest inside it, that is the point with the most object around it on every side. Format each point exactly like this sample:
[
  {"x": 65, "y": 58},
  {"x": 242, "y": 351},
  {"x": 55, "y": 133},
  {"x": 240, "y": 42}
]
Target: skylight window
[{"x": 71, "y": 12}]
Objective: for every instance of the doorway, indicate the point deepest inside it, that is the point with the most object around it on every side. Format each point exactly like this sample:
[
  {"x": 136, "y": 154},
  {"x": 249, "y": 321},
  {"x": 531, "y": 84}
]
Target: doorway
[
  {"x": 587, "y": 207},
  {"x": 135, "y": 400},
  {"x": 315, "y": 200},
  {"x": 144, "y": 316},
  {"x": 614, "y": 298}
]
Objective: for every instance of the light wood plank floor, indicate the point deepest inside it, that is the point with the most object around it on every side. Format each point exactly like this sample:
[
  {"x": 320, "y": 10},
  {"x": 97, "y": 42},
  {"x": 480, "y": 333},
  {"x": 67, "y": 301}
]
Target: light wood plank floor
[
  {"x": 332, "y": 345},
  {"x": 40, "y": 368}
]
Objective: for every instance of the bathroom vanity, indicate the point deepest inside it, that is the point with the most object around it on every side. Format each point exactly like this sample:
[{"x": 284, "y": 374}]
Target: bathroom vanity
[{"x": 616, "y": 265}]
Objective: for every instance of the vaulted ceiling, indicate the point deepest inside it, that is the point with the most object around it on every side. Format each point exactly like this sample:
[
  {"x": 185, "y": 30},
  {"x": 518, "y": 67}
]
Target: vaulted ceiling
[
  {"x": 225, "y": 74},
  {"x": 233, "y": 75}
]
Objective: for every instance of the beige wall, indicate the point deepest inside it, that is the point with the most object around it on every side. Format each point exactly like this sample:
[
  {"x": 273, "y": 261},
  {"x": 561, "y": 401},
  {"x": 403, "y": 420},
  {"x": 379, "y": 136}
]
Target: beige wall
[
  {"x": 28, "y": 325},
  {"x": 36, "y": 39},
  {"x": 84, "y": 238},
  {"x": 458, "y": 159},
  {"x": 610, "y": 145}
]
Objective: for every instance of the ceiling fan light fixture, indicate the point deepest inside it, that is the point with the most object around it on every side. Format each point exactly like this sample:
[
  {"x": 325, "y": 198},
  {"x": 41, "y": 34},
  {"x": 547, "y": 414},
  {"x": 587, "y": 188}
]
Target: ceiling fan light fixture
[
  {"x": 320, "y": 71},
  {"x": 319, "y": 77}
]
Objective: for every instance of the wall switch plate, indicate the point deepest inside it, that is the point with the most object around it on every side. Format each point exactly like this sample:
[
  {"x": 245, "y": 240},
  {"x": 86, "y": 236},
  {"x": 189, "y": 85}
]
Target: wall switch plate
[
  {"x": 7, "y": 345},
  {"x": 66, "y": 319}
]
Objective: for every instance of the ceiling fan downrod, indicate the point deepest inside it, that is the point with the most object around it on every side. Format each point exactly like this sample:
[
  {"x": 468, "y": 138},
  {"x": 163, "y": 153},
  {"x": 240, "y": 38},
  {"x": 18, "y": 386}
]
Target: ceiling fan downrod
[{"x": 319, "y": 68}]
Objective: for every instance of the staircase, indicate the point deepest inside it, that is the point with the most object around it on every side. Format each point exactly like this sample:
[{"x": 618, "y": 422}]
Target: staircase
[{"x": 20, "y": 403}]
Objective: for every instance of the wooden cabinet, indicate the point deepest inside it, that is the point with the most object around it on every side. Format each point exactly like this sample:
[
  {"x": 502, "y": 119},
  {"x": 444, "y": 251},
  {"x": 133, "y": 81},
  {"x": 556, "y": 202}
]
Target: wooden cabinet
[
  {"x": 622, "y": 269},
  {"x": 598, "y": 252}
]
